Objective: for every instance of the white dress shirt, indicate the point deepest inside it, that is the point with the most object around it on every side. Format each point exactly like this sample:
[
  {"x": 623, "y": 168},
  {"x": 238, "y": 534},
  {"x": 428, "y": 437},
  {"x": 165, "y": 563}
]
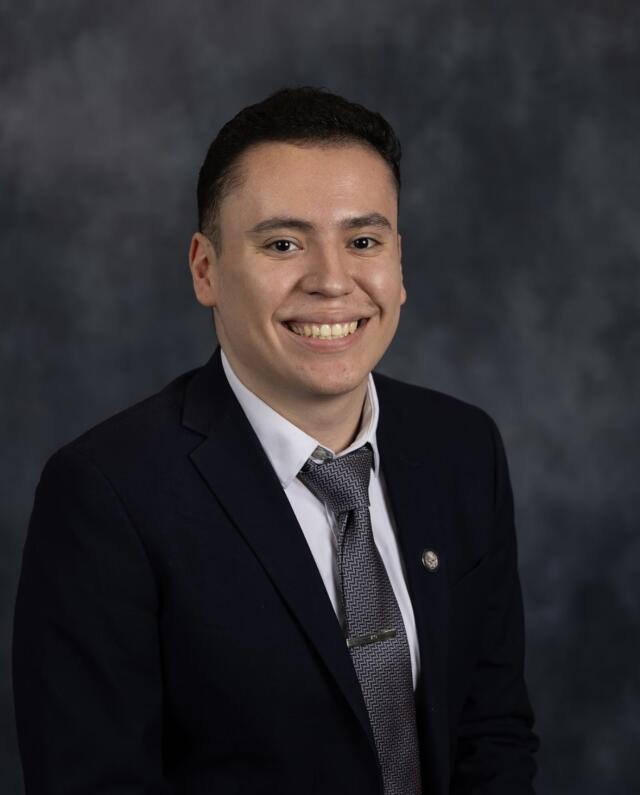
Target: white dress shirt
[{"x": 288, "y": 448}]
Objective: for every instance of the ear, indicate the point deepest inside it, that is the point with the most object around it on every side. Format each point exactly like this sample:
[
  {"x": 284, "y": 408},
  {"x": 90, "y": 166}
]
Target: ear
[
  {"x": 202, "y": 263},
  {"x": 403, "y": 292}
]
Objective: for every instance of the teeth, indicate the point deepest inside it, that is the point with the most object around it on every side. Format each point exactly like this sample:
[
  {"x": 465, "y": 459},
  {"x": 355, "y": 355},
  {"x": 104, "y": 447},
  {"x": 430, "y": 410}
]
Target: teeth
[{"x": 325, "y": 331}]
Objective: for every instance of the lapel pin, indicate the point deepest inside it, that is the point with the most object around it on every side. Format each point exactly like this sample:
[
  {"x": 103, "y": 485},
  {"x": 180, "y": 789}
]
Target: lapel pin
[{"x": 430, "y": 560}]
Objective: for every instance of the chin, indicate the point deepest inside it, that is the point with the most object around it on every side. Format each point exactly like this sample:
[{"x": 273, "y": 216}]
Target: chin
[{"x": 335, "y": 386}]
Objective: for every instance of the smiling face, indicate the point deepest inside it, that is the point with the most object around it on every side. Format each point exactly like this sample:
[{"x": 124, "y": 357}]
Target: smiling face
[{"x": 309, "y": 246}]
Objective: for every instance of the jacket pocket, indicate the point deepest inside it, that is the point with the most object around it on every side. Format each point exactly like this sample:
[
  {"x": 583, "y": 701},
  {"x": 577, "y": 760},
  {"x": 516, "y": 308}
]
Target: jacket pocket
[{"x": 472, "y": 576}]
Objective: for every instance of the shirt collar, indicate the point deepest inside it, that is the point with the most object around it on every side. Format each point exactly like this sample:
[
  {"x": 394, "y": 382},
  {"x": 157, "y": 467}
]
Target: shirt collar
[{"x": 287, "y": 446}]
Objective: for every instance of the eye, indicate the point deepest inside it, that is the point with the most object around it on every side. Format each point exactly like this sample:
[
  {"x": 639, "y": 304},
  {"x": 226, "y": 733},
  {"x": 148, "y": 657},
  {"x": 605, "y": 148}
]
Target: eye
[
  {"x": 364, "y": 243},
  {"x": 282, "y": 246}
]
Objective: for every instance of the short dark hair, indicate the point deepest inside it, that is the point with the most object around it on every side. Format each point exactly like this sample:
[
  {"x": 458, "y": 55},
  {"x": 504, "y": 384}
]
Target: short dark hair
[{"x": 305, "y": 115}]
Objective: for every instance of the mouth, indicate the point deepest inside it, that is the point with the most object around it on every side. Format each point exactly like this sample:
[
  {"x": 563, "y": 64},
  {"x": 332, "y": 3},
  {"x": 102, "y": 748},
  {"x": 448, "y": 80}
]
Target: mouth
[{"x": 325, "y": 331}]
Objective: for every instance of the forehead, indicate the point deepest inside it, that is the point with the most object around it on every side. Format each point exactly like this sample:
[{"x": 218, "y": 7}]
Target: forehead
[{"x": 314, "y": 179}]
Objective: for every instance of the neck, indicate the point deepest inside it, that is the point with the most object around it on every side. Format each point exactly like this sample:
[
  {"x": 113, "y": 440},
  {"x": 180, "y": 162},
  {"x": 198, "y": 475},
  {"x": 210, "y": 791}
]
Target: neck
[{"x": 334, "y": 420}]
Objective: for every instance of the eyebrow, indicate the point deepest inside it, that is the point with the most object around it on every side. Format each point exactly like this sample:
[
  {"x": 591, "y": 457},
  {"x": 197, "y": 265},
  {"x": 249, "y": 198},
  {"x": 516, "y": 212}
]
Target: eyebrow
[{"x": 353, "y": 222}]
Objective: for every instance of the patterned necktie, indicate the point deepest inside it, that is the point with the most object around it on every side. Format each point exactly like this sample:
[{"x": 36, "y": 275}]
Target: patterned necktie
[{"x": 375, "y": 631}]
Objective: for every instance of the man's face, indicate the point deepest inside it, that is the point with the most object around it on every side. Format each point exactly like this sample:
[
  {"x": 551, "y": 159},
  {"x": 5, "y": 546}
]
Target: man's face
[{"x": 309, "y": 240}]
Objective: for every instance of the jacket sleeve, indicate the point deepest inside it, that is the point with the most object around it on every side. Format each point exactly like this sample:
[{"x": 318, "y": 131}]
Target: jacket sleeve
[
  {"x": 86, "y": 658},
  {"x": 495, "y": 741}
]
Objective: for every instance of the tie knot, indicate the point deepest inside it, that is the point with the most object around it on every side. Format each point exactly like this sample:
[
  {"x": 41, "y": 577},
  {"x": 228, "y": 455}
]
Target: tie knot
[{"x": 343, "y": 483}]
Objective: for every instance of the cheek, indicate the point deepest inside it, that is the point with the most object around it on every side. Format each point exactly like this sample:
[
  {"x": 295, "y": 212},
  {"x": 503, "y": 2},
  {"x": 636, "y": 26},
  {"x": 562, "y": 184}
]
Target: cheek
[
  {"x": 241, "y": 288},
  {"x": 385, "y": 288},
  {"x": 257, "y": 293}
]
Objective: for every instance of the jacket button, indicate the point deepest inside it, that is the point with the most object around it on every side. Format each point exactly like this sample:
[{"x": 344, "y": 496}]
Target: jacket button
[{"x": 430, "y": 560}]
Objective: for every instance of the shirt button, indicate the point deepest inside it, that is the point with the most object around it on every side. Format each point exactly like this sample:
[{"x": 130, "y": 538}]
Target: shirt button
[{"x": 430, "y": 560}]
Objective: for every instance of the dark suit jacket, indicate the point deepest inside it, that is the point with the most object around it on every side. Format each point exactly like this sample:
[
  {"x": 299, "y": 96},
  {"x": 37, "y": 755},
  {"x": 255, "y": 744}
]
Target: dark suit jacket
[{"x": 173, "y": 634}]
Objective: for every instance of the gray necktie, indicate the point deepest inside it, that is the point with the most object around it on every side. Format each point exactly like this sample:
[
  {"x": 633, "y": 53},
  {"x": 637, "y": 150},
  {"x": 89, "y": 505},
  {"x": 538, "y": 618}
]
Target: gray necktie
[{"x": 375, "y": 632}]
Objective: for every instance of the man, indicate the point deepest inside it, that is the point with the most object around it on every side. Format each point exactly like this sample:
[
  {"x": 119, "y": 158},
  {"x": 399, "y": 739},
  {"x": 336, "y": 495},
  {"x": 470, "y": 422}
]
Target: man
[{"x": 282, "y": 573}]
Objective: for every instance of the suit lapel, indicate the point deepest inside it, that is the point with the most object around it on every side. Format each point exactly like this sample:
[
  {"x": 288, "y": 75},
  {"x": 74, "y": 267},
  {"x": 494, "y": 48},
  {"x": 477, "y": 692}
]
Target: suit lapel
[
  {"x": 414, "y": 502},
  {"x": 233, "y": 463}
]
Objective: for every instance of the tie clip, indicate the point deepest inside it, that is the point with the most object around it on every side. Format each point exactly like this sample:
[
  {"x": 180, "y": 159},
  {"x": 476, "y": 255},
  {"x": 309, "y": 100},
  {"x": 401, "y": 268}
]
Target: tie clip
[{"x": 374, "y": 637}]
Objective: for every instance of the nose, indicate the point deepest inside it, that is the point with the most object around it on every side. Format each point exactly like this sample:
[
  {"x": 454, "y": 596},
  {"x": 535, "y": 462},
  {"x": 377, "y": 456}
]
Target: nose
[{"x": 328, "y": 272}]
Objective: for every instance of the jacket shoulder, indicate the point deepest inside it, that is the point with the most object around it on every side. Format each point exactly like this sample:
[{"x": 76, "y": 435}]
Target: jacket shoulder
[
  {"x": 143, "y": 430},
  {"x": 434, "y": 414},
  {"x": 458, "y": 440}
]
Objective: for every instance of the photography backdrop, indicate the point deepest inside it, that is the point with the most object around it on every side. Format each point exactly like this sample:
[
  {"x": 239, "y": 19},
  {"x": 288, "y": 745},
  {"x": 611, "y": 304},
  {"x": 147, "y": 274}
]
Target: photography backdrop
[{"x": 520, "y": 216}]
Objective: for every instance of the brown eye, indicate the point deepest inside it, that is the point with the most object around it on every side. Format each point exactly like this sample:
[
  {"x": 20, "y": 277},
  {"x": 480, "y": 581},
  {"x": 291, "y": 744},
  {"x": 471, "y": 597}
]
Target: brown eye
[
  {"x": 282, "y": 246},
  {"x": 364, "y": 243}
]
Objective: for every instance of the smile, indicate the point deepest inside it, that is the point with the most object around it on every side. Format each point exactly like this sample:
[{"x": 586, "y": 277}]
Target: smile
[{"x": 325, "y": 331}]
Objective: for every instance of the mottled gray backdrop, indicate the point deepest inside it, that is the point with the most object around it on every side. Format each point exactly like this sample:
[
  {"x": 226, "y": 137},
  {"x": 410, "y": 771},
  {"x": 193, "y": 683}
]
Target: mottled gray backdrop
[{"x": 521, "y": 223}]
